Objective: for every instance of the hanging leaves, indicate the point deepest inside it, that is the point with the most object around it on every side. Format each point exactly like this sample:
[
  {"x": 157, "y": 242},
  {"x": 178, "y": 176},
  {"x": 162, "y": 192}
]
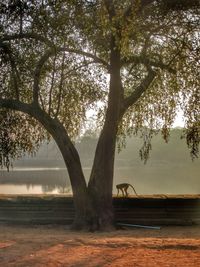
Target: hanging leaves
[
  {"x": 19, "y": 134},
  {"x": 59, "y": 52}
]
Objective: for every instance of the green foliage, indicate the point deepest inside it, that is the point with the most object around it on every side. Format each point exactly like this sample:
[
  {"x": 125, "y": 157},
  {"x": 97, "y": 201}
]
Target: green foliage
[
  {"x": 171, "y": 38},
  {"x": 19, "y": 134},
  {"x": 57, "y": 53}
]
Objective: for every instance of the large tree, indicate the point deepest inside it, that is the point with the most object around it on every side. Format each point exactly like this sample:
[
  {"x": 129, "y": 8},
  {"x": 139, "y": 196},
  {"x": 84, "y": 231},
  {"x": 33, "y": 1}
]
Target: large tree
[{"x": 135, "y": 62}]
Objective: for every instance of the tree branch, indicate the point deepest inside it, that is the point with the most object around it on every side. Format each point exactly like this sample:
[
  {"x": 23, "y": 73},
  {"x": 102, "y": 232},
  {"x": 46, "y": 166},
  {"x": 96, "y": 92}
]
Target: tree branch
[
  {"x": 88, "y": 55},
  {"x": 169, "y": 4},
  {"x": 136, "y": 94},
  {"x": 53, "y": 126},
  {"x": 52, "y": 84},
  {"x": 60, "y": 86},
  {"x": 41, "y": 101},
  {"x": 34, "y": 110},
  {"x": 15, "y": 74},
  {"x": 16, "y": 105},
  {"x": 52, "y": 52},
  {"x": 110, "y": 8},
  {"x": 179, "y": 5},
  {"x": 58, "y": 132},
  {"x": 142, "y": 4},
  {"x": 52, "y": 45},
  {"x": 37, "y": 73},
  {"x": 147, "y": 62},
  {"x": 32, "y": 35}
]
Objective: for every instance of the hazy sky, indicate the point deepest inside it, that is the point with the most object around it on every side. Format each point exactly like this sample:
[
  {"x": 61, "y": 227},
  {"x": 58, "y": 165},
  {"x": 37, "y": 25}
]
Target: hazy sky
[{"x": 179, "y": 120}]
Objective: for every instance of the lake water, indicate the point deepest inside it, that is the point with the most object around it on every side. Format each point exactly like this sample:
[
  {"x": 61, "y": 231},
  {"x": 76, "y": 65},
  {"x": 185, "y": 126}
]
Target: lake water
[
  {"x": 25, "y": 189},
  {"x": 34, "y": 181},
  {"x": 146, "y": 180}
]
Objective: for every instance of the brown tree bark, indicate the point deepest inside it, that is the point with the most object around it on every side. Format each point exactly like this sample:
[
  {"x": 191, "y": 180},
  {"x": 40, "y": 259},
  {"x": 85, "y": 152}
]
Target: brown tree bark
[
  {"x": 101, "y": 179},
  {"x": 83, "y": 208}
]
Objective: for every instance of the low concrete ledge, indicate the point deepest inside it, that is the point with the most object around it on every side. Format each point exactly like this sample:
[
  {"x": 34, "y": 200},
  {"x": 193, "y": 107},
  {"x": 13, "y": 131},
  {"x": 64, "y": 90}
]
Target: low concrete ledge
[{"x": 143, "y": 209}]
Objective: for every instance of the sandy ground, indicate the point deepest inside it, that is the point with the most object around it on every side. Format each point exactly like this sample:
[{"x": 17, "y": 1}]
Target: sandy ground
[{"x": 53, "y": 246}]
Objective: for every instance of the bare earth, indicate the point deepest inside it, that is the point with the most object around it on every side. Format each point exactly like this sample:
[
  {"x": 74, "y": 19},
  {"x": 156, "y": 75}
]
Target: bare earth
[{"x": 53, "y": 246}]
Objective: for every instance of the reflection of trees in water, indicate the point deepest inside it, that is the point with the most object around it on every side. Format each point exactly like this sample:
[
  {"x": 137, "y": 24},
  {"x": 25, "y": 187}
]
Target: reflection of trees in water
[
  {"x": 60, "y": 183},
  {"x": 47, "y": 188},
  {"x": 49, "y": 180},
  {"x": 28, "y": 186},
  {"x": 61, "y": 189},
  {"x": 35, "y": 177},
  {"x": 65, "y": 190}
]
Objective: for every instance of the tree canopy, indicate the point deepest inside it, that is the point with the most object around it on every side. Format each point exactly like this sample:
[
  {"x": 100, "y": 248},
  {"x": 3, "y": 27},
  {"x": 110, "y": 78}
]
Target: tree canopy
[
  {"x": 57, "y": 53},
  {"x": 135, "y": 62}
]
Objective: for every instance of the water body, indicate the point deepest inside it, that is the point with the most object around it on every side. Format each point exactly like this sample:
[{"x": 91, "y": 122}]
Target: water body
[
  {"x": 147, "y": 179},
  {"x": 25, "y": 189},
  {"x": 168, "y": 171},
  {"x": 34, "y": 180}
]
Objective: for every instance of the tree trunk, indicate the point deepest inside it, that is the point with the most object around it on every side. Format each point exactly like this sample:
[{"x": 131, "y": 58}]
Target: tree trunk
[
  {"x": 85, "y": 213},
  {"x": 83, "y": 208},
  {"x": 101, "y": 179},
  {"x": 93, "y": 204},
  {"x": 82, "y": 203},
  {"x": 101, "y": 183}
]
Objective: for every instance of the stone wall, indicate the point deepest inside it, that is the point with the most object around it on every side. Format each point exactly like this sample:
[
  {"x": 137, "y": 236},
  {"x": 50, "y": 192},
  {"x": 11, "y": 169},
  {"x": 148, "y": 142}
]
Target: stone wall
[{"x": 146, "y": 210}]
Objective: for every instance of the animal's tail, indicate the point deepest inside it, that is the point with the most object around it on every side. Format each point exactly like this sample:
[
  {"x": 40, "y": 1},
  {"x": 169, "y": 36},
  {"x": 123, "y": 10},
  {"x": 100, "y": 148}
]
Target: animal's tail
[{"x": 133, "y": 188}]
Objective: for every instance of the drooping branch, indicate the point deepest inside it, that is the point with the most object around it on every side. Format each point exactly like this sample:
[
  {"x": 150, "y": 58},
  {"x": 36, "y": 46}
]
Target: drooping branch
[
  {"x": 52, "y": 84},
  {"x": 41, "y": 101},
  {"x": 37, "y": 73},
  {"x": 60, "y": 86},
  {"x": 51, "y": 52},
  {"x": 15, "y": 73},
  {"x": 53, "y": 126},
  {"x": 63, "y": 77},
  {"x": 56, "y": 129},
  {"x": 139, "y": 90},
  {"x": 50, "y": 44}
]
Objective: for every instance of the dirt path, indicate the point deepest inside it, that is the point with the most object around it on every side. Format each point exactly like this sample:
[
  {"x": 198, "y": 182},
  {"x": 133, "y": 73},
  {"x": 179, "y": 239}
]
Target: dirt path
[{"x": 53, "y": 246}]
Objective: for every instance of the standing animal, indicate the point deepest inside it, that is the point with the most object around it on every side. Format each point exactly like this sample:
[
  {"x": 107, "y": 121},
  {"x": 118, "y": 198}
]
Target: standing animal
[{"x": 123, "y": 188}]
